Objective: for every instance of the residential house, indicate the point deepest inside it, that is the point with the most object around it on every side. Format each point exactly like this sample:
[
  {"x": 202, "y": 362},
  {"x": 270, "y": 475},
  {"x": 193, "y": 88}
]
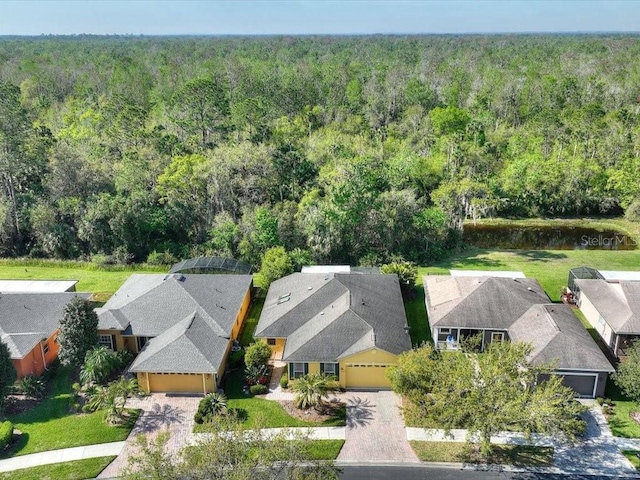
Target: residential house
[
  {"x": 181, "y": 327},
  {"x": 611, "y": 304},
  {"x": 515, "y": 309},
  {"x": 29, "y": 325},
  {"x": 350, "y": 325}
]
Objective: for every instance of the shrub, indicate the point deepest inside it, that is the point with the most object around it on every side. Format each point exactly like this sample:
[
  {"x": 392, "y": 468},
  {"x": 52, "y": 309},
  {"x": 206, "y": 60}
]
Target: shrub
[
  {"x": 212, "y": 405},
  {"x": 257, "y": 374},
  {"x": 258, "y": 389},
  {"x": 284, "y": 380},
  {"x": 236, "y": 359},
  {"x": 6, "y": 433},
  {"x": 31, "y": 386},
  {"x": 600, "y": 401},
  {"x": 632, "y": 213},
  {"x": 161, "y": 258},
  {"x": 257, "y": 354}
]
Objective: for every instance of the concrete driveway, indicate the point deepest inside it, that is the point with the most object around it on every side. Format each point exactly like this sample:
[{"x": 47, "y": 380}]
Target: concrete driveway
[
  {"x": 159, "y": 412},
  {"x": 375, "y": 429}
]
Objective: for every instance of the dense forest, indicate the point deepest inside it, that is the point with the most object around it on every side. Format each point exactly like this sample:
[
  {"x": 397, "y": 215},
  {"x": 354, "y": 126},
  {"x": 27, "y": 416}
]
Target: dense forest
[{"x": 339, "y": 149}]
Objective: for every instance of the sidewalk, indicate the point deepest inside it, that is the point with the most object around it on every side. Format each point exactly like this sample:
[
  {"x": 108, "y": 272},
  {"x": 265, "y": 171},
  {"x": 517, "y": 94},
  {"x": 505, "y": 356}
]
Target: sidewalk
[{"x": 62, "y": 455}]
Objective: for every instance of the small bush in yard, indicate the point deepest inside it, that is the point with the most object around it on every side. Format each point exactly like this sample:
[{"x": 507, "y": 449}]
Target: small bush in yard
[
  {"x": 284, "y": 380},
  {"x": 258, "y": 389},
  {"x": 31, "y": 386},
  {"x": 212, "y": 405},
  {"x": 6, "y": 433}
]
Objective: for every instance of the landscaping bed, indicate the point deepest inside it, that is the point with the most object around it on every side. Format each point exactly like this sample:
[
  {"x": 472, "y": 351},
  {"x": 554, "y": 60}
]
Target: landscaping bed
[{"x": 517, "y": 455}]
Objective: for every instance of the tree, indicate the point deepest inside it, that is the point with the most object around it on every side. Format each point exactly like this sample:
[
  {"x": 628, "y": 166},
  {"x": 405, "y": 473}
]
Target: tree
[
  {"x": 485, "y": 393},
  {"x": 627, "y": 376},
  {"x": 113, "y": 398},
  {"x": 311, "y": 390},
  {"x": 275, "y": 264},
  {"x": 257, "y": 354},
  {"x": 8, "y": 373},
  {"x": 230, "y": 453},
  {"x": 211, "y": 406},
  {"x": 78, "y": 332},
  {"x": 407, "y": 273},
  {"x": 99, "y": 362}
]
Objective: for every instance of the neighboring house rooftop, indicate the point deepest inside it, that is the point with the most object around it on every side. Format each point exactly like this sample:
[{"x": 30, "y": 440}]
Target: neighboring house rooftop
[
  {"x": 558, "y": 337},
  {"x": 149, "y": 304},
  {"x": 338, "y": 269},
  {"x": 618, "y": 303},
  {"x": 37, "y": 286},
  {"x": 28, "y": 318},
  {"x": 329, "y": 316},
  {"x": 487, "y": 273},
  {"x": 479, "y": 302}
]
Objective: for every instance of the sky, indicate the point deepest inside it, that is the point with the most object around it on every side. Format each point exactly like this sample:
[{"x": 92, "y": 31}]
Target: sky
[{"x": 260, "y": 17}]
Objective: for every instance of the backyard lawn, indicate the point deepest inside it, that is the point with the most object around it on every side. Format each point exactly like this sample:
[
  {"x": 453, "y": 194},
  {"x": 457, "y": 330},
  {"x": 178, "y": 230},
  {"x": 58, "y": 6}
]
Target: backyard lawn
[
  {"x": 50, "y": 426},
  {"x": 75, "y": 470},
  {"x": 622, "y": 425}
]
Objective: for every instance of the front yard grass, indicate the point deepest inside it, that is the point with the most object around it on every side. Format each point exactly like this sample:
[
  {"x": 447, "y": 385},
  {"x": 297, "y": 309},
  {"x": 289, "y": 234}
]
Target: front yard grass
[
  {"x": 50, "y": 426},
  {"x": 323, "y": 449},
  {"x": 75, "y": 470},
  {"x": 260, "y": 412},
  {"x": 632, "y": 456},
  {"x": 620, "y": 421},
  {"x": 517, "y": 455}
]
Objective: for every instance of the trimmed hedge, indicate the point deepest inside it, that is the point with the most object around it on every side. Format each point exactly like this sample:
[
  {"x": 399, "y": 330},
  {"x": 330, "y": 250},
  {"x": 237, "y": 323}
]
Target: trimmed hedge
[
  {"x": 258, "y": 389},
  {"x": 6, "y": 433}
]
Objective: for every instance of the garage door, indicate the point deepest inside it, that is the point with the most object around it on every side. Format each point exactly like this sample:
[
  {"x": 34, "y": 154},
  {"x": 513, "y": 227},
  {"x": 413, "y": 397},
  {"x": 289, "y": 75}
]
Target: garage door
[
  {"x": 175, "y": 382},
  {"x": 583, "y": 385},
  {"x": 367, "y": 375}
]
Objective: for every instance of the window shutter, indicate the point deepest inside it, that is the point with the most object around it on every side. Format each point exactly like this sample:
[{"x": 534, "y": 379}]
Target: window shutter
[
  {"x": 322, "y": 368},
  {"x": 337, "y": 370},
  {"x": 306, "y": 369},
  {"x": 291, "y": 370}
]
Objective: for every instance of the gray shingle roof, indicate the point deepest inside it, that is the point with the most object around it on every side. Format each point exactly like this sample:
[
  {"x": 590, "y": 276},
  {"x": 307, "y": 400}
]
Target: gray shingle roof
[
  {"x": 479, "y": 302},
  {"x": 190, "y": 316},
  {"x": 192, "y": 345},
  {"x": 325, "y": 317},
  {"x": 617, "y": 302},
  {"x": 558, "y": 336},
  {"x": 27, "y": 318}
]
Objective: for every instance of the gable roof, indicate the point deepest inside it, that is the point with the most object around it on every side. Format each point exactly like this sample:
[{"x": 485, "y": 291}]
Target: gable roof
[
  {"x": 328, "y": 316},
  {"x": 27, "y": 318},
  {"x": 557, "y": 336},
  {"x": 617, "y": 302},
  {"x": 479, "y": 302},
  {"x": 193, "y": 345},
  {"x": 190, "y": 317},
  {"x": 149, "y": 304}
]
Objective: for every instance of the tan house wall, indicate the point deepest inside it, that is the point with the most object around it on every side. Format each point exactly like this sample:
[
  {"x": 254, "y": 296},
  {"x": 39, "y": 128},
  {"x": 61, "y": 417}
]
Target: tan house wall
[
  {"x": 366, "y": 369},
  {"x": 278, "y": 349},
  {"x": 32, "y": 363},
  {"x": 593, "y": 317}
]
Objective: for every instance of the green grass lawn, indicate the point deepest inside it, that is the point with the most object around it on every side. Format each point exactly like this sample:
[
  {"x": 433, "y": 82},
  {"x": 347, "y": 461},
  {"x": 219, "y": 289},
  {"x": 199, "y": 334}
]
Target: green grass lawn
[
  {"x": 50, "y": 426},
  {"x": 323, "y": 449},
  {"x": 75, "y": 470},
  {"x": 620, "y": 422},
  {"x": 101, "y": 281},
  {"x": 518, "y": 455},
  {"x": 416, "y": 311},
  {"x": 632, "y": 456},
  {"x": 265, "y": 413},
  {"x": 246, "y": 336}
]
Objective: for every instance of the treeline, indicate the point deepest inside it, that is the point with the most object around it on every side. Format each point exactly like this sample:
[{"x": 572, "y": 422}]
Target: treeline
[{"x": 340, "y": 149}]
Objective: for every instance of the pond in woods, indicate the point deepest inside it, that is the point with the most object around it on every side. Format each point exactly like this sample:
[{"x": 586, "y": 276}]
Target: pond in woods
[{"x": 546, "y": 238}]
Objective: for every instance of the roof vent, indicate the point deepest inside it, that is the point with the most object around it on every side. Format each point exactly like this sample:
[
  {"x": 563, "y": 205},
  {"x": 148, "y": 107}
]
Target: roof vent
[
  {"x": 321, "y": 313},
  {"x": 530, "y": 289},
  {"x": 309, "y": 288},
  {"x": 284, "y": 298}
]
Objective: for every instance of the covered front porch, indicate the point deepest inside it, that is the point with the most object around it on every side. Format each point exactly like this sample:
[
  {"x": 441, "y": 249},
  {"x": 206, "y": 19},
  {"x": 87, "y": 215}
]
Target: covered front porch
[
  {"x": 451, "y": 338},
  {"x": 623, "y": 343}
]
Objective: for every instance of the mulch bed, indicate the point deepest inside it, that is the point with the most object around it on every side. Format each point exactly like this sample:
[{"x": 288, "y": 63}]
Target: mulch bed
[
  {"x": 327, "y": 411},
  {"x": 15, "y": 404}
]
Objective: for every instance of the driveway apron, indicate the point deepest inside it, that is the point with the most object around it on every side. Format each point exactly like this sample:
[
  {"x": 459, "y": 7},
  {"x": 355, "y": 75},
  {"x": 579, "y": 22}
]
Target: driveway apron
[{"x": 375, "y": 429}]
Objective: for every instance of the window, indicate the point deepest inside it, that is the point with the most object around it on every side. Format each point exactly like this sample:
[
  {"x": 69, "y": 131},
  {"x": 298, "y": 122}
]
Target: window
[
  {"x": 332, "y": 369},
  {"x": 497, "y": 336},
  {"x": 298, "y": 369},
  {"x": 106, "y": 341},
  {"x": 141, "y": 341},
  {"x": 271, "y": 342},
  {"x": 45, "y": 348},
  {"x": 447, "y": 335}
]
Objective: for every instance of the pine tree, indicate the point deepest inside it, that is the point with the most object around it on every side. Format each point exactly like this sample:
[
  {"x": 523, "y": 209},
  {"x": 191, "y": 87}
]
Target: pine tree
[{"x": 78, "y": 332}]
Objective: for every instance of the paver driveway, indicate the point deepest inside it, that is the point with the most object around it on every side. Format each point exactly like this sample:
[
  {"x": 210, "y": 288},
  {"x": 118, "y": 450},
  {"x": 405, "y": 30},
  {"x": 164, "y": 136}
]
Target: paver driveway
[
  {"x": 160, "y": 412},
  {"x": 375, "y": 429}
]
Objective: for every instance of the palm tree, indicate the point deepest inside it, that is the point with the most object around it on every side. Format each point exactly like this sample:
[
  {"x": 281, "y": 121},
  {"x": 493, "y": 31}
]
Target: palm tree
[
  {"x": 212, "y": 405},
  {"x": 113, "y": 398},
  {"x": 98, "y": 365},
  {"x": 310, "y": 390}
]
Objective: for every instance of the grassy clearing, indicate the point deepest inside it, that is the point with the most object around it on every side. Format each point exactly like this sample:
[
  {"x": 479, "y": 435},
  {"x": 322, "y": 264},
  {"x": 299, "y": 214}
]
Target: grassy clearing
[
  {"x": 633, "y": 457},
  {"x": 618, "y": 224},
  {"x": 103, "y": 282},
  {"x": 75, "y": 470},
  {"x": 518, "y": 455},
  {"x": 259, "y": 412},
  {"x": 622, "y": 425},
  {"x": 50, "y": 426}
]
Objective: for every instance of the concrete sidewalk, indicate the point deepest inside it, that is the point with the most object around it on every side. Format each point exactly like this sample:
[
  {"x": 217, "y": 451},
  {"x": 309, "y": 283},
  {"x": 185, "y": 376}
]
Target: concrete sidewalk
[
  {"x": 290, "y": 433},
  {"x": 62, "y": 455}
]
